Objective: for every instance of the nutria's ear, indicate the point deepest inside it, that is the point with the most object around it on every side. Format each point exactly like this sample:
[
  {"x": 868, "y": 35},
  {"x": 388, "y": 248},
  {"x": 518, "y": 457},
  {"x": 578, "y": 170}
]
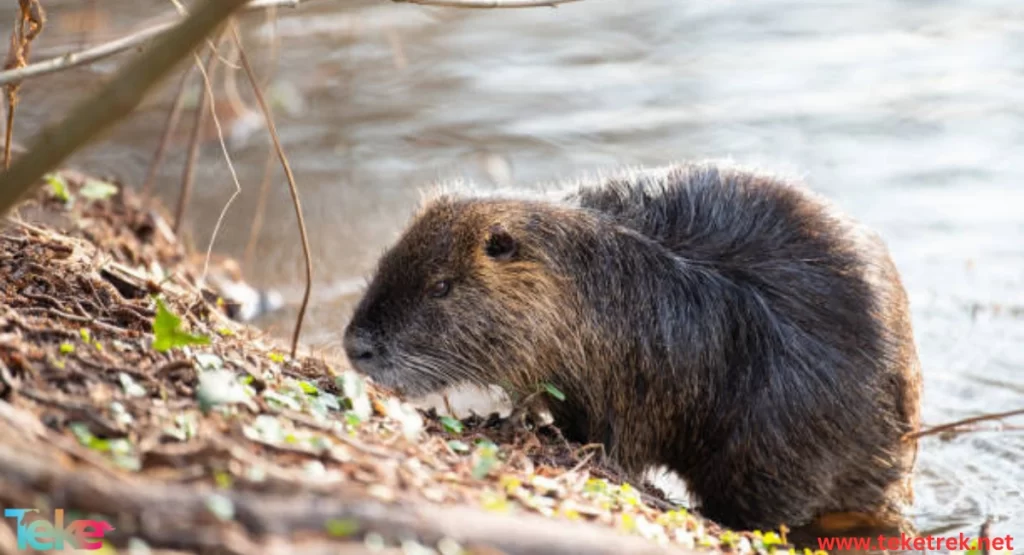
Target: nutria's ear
[{"x": 500, "y": 244}]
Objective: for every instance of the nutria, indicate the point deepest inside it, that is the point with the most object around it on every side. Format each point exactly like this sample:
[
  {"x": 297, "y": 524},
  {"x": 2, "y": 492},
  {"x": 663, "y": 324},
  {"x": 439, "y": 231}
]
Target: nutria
[{"x": 729, "y": 325}]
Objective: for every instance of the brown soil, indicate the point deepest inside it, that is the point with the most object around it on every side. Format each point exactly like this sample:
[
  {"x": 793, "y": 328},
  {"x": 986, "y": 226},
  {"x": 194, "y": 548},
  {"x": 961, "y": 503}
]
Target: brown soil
[{"x": 280, "y": 457}]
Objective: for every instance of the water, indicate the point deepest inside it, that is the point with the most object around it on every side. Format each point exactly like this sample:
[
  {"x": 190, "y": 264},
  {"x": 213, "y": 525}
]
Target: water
[{"x": 910, "y": 114}]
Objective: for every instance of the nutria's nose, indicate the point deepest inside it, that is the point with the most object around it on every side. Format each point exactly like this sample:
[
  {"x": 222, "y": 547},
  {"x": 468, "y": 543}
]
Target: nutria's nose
[{"x": 358, "y": 347}]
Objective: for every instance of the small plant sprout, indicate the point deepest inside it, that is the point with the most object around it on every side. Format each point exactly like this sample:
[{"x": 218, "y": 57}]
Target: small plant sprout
[
  {"x": 168, "y": 332},
  {"x": 58, "y": 187},
  {"x": 451, "y": 425}
]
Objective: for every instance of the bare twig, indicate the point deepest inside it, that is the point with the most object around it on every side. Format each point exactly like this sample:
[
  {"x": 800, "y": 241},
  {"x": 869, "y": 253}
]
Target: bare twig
[
  {"x": 234, "y": 177},
  {"x": 261, "y": 208},
  {"x": 199, "y": 121},
  {"x": 487, "y": 3},
  {"x": 173, "y": 115},
  {"x": 292, "y": 188},
  {"x": 972, "y": 420},
  {"x": 268, "y": 167},
  {"x": 11, "y": 95},
  {"x": 100, "y": 51},
  {"x": 31, "y": 19},
  {"x": 87, "y": 56},
  {"x": 114, "y": 101}
]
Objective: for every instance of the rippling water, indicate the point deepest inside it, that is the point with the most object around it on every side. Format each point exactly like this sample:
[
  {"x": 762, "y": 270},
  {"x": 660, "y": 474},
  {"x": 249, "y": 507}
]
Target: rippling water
[{"x": 910, "y": 114}]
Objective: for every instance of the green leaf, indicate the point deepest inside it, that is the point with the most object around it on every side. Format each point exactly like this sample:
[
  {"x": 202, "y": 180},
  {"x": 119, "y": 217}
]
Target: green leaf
[
  {"x": 276, "y": 357},
  {"x": 452, "y": 425},
  {"x": 308, "y": 388},
  {"x": 120, "y": 449},
  {"x": 58, "y": 186},
  {"x": 485, "y": 457},
  {"x": 554, "y": 391},
  {"x": 66, "y": 348},
  {"x": 222, "y": 479},
  {"x": 352, "y": 419},
  {"x": 341, "y": 528},
  {"x": 168, "y": 332},
  {"x": 353, "y": 387},
  {"x": 97, "y": 190},
  {"x": 83, "y": 434},
  {"x": 86, "y": 336},
  {"x": 281, "y": 400}
]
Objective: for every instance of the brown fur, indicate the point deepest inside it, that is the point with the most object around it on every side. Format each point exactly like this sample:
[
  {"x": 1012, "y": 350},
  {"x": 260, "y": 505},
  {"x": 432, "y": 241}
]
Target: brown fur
[{"x": 726, "y": 324}]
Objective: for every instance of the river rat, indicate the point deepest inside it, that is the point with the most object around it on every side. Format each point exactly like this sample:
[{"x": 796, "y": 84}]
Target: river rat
[{"x": 730, "y": 325}]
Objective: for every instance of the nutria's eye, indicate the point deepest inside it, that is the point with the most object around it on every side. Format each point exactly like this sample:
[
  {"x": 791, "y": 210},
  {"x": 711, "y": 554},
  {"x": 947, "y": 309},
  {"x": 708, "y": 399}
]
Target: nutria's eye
[{"x": 440, "y": 288}]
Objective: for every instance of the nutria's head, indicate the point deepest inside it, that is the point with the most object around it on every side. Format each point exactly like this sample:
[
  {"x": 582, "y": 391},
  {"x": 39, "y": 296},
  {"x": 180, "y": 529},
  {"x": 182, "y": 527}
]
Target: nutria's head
[{"x": 467, "y": 294}]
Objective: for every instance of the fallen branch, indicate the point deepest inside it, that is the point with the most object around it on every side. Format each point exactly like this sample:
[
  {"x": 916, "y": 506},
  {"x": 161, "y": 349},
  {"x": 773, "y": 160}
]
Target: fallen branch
[
  {"x": 487, "y": 3},
  {"x": 116, "y": 46},
  {"x": 972, "y": 420},
  {"x": 268, "y": 116},
  {"x": 111, "y": 103},
  {"x": 180, "y": 517}
]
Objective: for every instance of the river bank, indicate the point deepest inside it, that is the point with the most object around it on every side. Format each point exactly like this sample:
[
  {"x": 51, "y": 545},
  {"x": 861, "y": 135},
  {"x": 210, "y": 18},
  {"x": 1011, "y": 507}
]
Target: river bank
[{"x": 129, "y": 395}]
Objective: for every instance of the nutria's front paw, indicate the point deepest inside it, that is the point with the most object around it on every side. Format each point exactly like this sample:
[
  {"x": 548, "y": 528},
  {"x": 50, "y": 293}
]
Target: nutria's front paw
[{"x": 530, "y": 414}]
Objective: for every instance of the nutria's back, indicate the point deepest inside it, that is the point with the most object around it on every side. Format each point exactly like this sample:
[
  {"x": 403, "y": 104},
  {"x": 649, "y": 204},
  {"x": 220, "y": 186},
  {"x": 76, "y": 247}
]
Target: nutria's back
[{"x": 723, "y": 323}]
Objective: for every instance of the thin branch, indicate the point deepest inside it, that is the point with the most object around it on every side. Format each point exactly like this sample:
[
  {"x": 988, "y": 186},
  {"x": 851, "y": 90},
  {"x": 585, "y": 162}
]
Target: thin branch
[
  {"x": 231, "y": 168},
  {"x": 292, "y": 188},
  {"x": 199, "y": 121},
  {"x": 86, "y": 56},
  {"x": 972, "y": 420},
  {"x": 114, "y": 101},
  {"x": 30, "y": 22},
  {"x": 100, "y": 51},
  {"x": 268, "y": 166},
  {"x": 173, "y": 115},
  {"x": 261, "y": 208},
  {"x": 487, "y": 3}
]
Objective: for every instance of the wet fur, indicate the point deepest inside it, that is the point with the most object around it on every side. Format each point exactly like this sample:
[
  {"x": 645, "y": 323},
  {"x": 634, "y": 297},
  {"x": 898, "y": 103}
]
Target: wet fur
[{"x": 723, "y": 323}]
